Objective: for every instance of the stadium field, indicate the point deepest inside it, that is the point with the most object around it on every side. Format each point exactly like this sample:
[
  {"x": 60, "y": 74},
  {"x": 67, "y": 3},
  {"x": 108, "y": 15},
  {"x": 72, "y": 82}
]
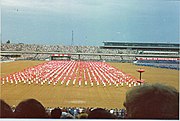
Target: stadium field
[{"x": 83, "y": 96}]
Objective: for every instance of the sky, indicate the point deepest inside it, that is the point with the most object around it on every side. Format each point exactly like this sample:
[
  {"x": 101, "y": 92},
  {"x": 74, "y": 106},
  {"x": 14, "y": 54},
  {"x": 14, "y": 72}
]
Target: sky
[{"x": 51, "y": 22}]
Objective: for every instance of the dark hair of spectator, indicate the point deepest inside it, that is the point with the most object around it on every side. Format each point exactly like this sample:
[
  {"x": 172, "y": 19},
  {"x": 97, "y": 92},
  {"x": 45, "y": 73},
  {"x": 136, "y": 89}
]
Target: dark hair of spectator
[
  {"x": 5, "y": 110},
  {"x": 155, "y": 101},
  {"x": 56, "y": 113},
  {"x": 100, "y": 113},
  {"x": 30, "y": 108}
]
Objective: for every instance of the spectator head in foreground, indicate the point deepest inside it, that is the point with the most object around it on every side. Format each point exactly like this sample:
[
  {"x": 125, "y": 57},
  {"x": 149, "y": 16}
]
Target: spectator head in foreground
[
  {"x": 5, "y": 110},
  {"x": 100, "y": 113},
  {"x": 30, "y": 108},
  {"x": 82, "y": 115},
  {"x": 56, "y": 113},
  {"x": 155, "y": 101}
]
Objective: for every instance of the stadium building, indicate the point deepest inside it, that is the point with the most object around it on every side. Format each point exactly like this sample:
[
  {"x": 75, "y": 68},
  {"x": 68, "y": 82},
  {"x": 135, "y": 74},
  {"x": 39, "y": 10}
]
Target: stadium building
[
  {"x": 142, "y": 46},
  {"x": 110, "y": 51}
]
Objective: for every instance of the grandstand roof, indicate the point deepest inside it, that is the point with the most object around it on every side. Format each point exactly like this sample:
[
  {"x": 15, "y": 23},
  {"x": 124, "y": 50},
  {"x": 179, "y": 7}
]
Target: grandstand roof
[
  {"x": 132, "y": 45},
  {"x": 115, "y": 43}
]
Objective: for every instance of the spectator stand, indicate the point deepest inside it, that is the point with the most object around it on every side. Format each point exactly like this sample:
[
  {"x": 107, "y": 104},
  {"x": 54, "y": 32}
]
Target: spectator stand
[{"x": 169, "y": 63}]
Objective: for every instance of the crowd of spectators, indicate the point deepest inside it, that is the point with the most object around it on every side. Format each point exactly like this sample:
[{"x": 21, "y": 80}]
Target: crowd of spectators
[
  {"x": 154, "y": 101},
  {"x": 32, "y": 108},
  {"x": 62, "y": 48},
  {"x": 76, "y": 49},
  {"x": 66, "y": 49}
]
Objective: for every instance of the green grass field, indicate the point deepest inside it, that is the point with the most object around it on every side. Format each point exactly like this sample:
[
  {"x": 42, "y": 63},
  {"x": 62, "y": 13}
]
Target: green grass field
[{"x": 84, "y": 96}]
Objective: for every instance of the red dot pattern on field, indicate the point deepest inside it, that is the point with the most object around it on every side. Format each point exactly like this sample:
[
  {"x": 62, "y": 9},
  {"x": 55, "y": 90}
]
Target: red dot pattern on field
[{"x": 75, "y": 72}]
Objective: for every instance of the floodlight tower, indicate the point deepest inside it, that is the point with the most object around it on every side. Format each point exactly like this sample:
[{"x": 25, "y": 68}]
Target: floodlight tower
[
  {"x": 72, "y": 42},
  {"x": 1, "y": 37}
]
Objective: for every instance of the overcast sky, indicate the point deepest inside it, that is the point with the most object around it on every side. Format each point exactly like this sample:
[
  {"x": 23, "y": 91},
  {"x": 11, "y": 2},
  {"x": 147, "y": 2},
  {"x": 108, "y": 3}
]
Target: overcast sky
[{"x": 93, "y": 21}]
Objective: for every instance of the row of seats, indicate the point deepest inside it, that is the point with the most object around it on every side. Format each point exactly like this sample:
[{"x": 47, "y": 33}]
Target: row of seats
[{"x": 158, "y": 65}]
